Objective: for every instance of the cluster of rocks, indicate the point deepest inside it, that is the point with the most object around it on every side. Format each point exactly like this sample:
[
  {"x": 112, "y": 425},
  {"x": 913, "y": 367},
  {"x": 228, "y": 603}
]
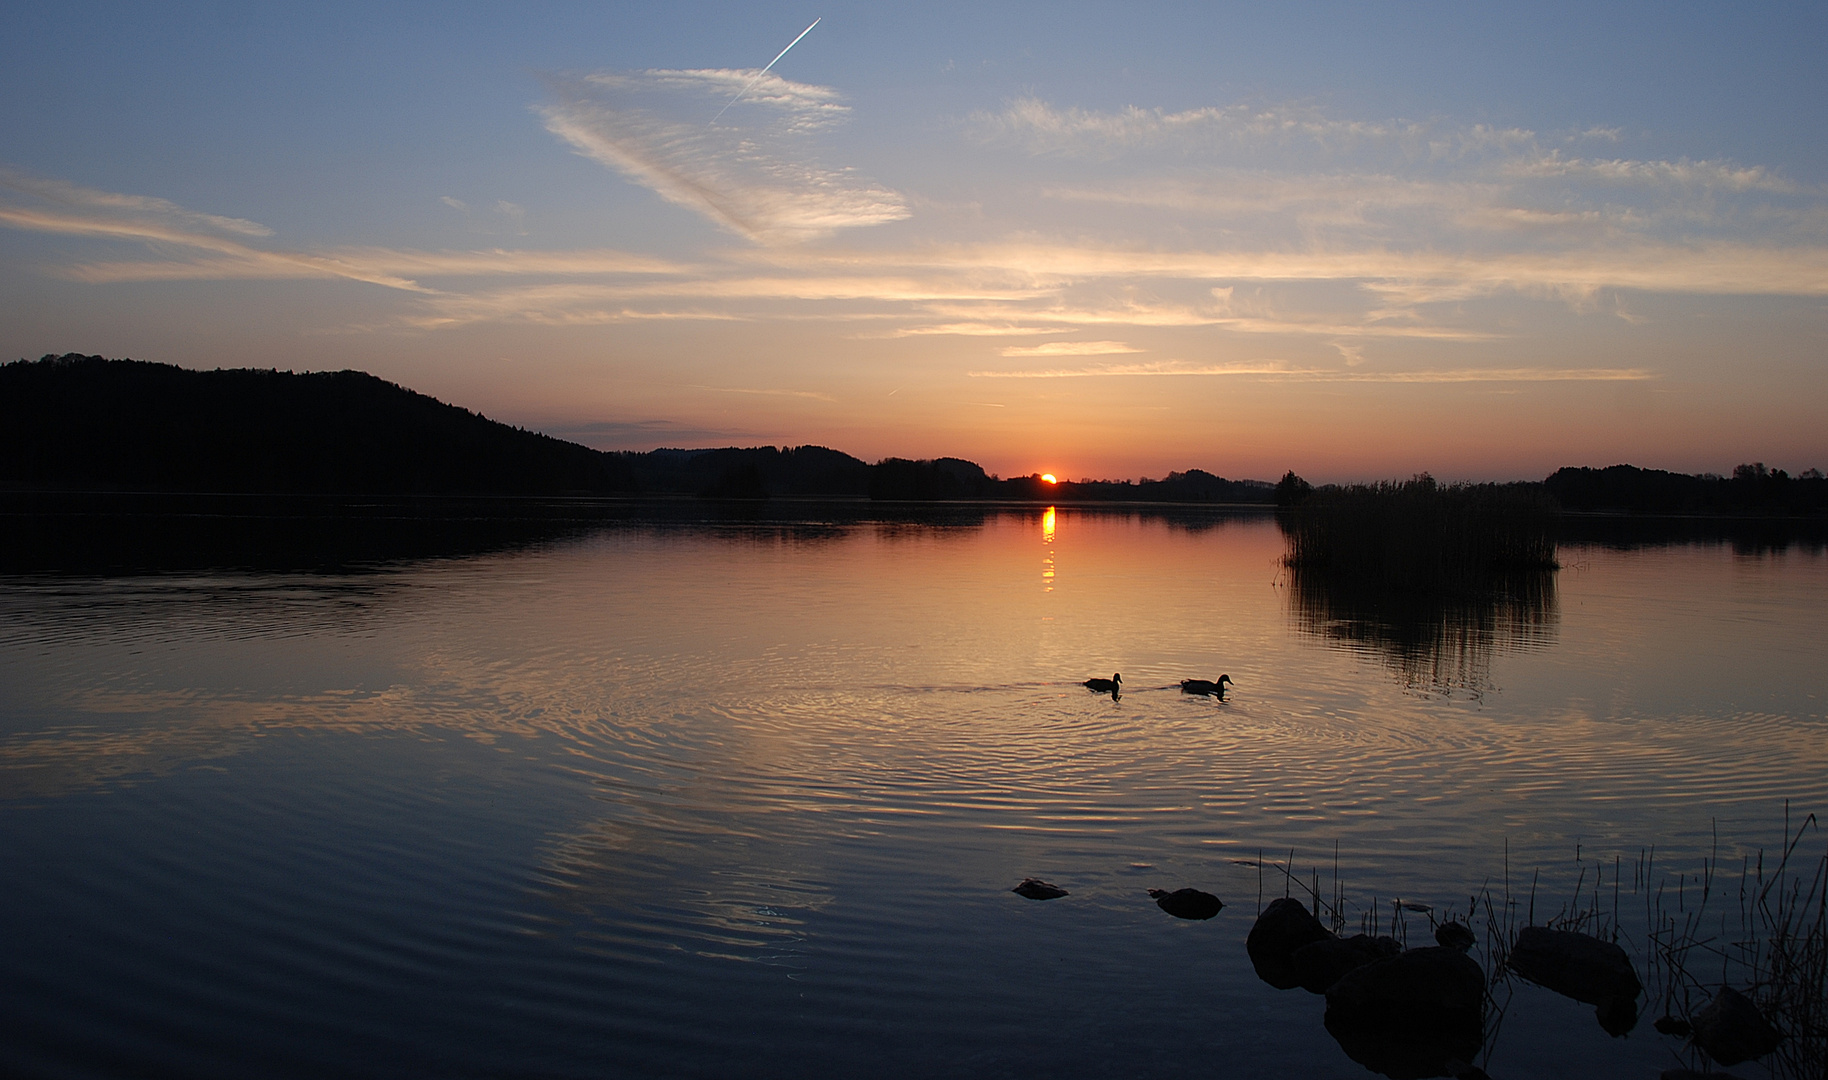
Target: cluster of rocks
[
  {"x": 1415, "y": 1013},
  {"x": 1406, "y": 1014}
]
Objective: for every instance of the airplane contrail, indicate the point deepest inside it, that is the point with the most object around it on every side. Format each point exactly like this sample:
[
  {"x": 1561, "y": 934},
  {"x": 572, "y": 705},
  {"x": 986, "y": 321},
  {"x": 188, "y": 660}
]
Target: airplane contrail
[{"x": 764, "y": 71}]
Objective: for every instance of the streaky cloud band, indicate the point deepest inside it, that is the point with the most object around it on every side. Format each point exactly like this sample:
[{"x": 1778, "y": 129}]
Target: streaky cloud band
[{"x": 1275, "y": 371}]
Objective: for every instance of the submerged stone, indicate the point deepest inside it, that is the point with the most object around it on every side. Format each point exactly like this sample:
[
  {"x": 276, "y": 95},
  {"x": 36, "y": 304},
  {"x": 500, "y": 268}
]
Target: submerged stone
[
  {"x": 1584, "y": 968},
  {"x": 1730, "y": 1029},
  {"x": 1285, "y": 925},
  {"x": 1187, "y": 903},
  {"x": 1417, "y": 1014},
  {"x": 1455, "y": 935},
  {"x": 1036, "y": 889},
  {"x": 1320, "y": 964}
]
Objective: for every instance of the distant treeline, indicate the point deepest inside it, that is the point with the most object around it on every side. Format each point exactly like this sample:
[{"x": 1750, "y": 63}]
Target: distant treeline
[
  {"x": 87, "y": 423},
  {"x": 1751, "y": 490}
]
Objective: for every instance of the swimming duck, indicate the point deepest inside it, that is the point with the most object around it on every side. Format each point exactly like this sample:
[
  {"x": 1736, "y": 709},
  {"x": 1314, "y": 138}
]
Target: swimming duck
[
  {"x": 1105, "y": 686},
  {"x": 1201, "y": 686}
]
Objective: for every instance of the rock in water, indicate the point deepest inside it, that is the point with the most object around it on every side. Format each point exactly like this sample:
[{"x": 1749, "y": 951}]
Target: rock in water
[
  {"x": 1582, "y": 967},
  {"x": 1187, "y": 903},
  {"x": 1417, "y": 1014},
  {"x": 1284, "y": 926},
  {"x": 1455, "y": 935},
  {"x": 1730, "y": 1029},
  {"x": 1036, "y": 889},
  {"x": 1320, "y": 964}
]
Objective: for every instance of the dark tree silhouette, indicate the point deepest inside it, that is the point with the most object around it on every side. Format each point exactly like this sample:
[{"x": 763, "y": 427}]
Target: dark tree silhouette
[{"x": 1292, "y": 490}]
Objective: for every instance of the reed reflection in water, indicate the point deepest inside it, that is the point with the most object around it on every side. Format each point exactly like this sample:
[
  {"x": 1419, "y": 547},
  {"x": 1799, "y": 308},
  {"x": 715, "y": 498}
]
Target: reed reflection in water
[{"x": 1433, "y": 640}]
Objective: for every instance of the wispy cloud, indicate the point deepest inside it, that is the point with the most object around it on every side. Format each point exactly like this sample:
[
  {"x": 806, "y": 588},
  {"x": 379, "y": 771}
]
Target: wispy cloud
[
  {"x": 1071, "y": 348},
  {"x": 768, "y": 392},
  {"x": 1709, "y": 174},
  {"x": 83, "y": 201},
  {"x": 1041, "y": 128},
  {"x": 754, "y": 173},
  {"x": 1716, "y": 268},
  {"x": 1240, "y": 131},
  {"x": 223, "y": 258},
  {"x": 38, "y": 204},
  {"x": 973, "y": 329},
  {"x": 1276, "y": 370},
  {"x": 554, "y": 304},
  {"x": 1285, "y": 177},
  {"x": 375, "y": 264},
  {"x": 1152, "y": 368}
]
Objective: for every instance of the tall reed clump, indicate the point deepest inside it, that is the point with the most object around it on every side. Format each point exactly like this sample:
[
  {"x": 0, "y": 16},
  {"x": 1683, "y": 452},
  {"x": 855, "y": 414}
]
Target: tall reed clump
[{"x": 1422, "y": 535}]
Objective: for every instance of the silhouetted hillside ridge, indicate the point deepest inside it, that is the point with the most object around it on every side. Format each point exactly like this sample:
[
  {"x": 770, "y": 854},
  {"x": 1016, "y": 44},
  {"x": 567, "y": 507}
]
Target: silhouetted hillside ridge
[{"x": 88, "y": 422}]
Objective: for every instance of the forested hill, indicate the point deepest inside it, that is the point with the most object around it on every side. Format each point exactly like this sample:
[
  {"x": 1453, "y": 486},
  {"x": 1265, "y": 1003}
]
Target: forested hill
[{"x": 85, "y": 422}]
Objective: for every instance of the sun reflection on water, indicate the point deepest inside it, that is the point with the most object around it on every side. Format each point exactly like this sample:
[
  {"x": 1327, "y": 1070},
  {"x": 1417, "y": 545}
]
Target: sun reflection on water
[{"x": 1047, "y": 559}]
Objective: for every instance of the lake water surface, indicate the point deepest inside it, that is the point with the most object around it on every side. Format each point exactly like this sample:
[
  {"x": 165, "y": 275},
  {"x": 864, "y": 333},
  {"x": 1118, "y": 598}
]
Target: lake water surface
[{"x": 748, "y": 798}]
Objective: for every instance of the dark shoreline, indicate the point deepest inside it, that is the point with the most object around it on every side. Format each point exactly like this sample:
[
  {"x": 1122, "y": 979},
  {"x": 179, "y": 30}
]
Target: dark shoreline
[
  {"x": 115, "y": 533},
  {"x": 127, "y": 533}
]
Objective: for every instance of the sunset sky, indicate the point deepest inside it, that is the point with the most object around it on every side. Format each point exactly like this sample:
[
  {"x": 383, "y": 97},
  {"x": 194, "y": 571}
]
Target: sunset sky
[{"x": 1099, "y": 240}]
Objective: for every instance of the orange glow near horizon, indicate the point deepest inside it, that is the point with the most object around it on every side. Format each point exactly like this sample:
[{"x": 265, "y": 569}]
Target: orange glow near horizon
[{"x": 1050, "y": 478}]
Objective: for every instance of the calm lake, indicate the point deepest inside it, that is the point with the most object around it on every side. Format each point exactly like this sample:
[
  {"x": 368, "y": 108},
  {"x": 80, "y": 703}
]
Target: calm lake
[{"x": 747, "y": 797}]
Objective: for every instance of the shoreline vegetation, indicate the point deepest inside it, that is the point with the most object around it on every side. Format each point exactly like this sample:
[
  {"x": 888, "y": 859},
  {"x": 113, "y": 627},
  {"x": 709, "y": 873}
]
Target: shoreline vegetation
[
  {"x": 1728, "y": 964},
  {"x": 88, "y": 424},
  {"x": 1419, "y": 534}
]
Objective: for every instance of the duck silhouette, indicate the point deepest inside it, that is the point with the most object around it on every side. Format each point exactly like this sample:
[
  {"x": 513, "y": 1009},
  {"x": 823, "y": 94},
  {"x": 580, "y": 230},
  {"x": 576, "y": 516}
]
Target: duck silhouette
[
  {"x": 1201, "y": 686},
  {"x": 1105, "y": 686}
]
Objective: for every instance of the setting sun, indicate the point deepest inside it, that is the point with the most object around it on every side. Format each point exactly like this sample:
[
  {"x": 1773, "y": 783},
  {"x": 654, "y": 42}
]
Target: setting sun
[{"x": 1050, "y": 478}]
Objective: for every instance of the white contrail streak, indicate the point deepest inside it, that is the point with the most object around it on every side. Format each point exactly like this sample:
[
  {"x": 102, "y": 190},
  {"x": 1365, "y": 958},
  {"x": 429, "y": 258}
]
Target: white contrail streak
[{"x": 764, "y": 71}]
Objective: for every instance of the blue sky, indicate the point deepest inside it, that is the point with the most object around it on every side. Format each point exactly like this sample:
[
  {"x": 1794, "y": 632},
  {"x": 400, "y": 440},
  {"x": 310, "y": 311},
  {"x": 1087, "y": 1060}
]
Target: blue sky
[{"x": 1094, "y": 239}]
